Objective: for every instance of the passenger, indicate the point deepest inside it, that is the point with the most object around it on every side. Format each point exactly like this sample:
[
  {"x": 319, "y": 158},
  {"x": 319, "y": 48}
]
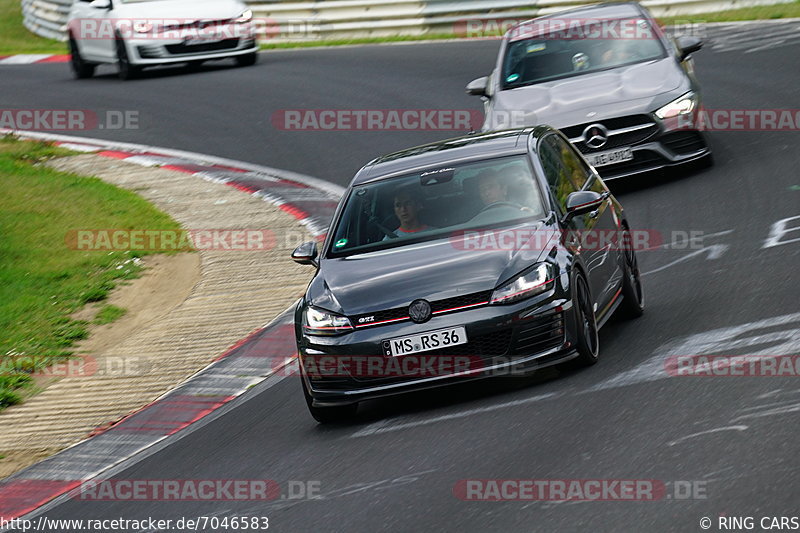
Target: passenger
[{"x": 406, "y": 208}]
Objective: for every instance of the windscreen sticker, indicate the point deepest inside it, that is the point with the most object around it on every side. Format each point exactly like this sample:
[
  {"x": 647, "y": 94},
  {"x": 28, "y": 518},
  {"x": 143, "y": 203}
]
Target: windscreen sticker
[
  {"x": 340, "y": 243},
  {"x": 512, "y": 78},
  {"x": 535, "y": 47}
]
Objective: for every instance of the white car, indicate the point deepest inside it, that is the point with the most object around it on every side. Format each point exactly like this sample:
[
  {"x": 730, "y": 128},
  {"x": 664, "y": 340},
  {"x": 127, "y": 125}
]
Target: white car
[{"x": 138, "y": 33}]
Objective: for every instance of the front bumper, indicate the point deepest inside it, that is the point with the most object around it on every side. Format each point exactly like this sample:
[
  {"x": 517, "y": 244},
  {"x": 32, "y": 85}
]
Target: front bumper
[
  {"x": 502, "y": 340},
  {"x": 159, "y": 52},
  {"x": 671, "y": 149},
  {"x": 655, "y": 143}
]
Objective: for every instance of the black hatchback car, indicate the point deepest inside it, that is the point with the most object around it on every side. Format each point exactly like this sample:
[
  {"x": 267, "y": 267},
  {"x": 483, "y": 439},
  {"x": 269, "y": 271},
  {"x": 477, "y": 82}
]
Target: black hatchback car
[
  {"x": 621, "y": 89},
  {"x": 471, "y": 257}
]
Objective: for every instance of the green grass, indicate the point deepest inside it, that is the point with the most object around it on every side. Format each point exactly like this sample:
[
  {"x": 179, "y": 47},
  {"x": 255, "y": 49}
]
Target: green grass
[
  {"x": 42, "y": 280},
  {"x": 777, "y": 11},
  {"x": 16, "y": 39},
  {"x": 108, "y": 314}
]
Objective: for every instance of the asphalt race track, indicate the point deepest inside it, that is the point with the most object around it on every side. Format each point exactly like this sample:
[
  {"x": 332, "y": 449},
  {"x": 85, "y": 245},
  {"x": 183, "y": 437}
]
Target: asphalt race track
[{"x": 733, "y": 440}]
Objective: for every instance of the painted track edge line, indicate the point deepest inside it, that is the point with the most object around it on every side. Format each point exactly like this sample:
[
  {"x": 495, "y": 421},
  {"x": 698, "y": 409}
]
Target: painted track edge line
[{"x": 327, "y": 186}]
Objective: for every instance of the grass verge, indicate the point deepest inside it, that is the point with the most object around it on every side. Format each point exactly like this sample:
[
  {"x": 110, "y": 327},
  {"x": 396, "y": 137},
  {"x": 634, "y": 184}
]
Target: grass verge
[
  {"x": 15, "y": 37},
  {"x": 108, "y": 314},
  {"x": 42, "y": 281}
]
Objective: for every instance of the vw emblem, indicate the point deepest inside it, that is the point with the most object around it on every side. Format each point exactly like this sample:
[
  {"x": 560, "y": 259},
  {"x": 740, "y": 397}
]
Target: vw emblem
[
  {"x": 595, "y": 136},
  {"x": 419, "y": 311}
]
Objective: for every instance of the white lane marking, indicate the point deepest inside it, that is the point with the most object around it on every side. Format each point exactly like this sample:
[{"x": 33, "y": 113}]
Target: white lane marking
[
  {"x": 714, "y": 251},
  {"x": 774, "y": 343},
  {"x": 144, "y": 160},
  {"x": 386, "y": 426},
  {"x": 703, "y": 237},
  {"x": 79, "y": 147},
  {"x": 746, "y": 38},
  {"x": 782, "y": 410},
  {"x": 778, "y": 230},
  {"x": 768, "y": 44},
  {"x": 707, "y": 432},
  {"x": 24, "y": 59},
  {"x": 785, "y": 342}
]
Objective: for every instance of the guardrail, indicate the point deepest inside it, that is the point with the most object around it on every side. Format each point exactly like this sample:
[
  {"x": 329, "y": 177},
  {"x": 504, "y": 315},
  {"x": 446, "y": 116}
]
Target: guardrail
[{"x": 343, "y": 19}]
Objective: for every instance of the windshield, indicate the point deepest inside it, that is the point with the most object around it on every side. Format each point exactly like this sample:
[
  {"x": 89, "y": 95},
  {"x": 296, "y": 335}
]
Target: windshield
[
  {"x": 577, "y": 50},
  {"x": 435, "y": 203}
]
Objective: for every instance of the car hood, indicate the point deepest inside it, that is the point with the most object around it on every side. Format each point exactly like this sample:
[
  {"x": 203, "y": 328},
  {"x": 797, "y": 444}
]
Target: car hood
[
  {"x": 634, "y": 89},
  {"x": 434, "y": 270},
  {"x": 181, "y": 9}
]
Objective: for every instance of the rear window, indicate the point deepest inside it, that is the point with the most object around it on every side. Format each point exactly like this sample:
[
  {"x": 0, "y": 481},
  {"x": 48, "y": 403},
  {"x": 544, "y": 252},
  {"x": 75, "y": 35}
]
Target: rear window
[{"x": 435, "y": 203}]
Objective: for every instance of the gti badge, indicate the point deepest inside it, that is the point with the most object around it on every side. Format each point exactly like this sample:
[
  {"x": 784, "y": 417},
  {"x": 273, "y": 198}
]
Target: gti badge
[{"x": 419, "y": 311}]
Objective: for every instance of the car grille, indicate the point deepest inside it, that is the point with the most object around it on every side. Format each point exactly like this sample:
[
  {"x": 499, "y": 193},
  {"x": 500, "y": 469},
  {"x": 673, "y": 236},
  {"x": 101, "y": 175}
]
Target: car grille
[
  {"x": 437, "y": 307},
  {"x": 488, "y": 345},
  {"x": 540, "y": 334},
  {"x": 622, "y": 131},
  {"x": 197, "y": 24},
  {"x": 684, "y": 142},
  {"x": 151, "y": 51},
  {"x": 180, "y": 49}
]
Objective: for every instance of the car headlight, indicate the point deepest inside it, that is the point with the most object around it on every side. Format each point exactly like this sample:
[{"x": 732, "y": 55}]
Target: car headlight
[
  {"x": 321, "y": 322},
  {"x": 142, "y": 27},
  {"x": 678, "y": 107},
  {"x": 534, "y": 281},
  {"x": 245, "y": 17}
]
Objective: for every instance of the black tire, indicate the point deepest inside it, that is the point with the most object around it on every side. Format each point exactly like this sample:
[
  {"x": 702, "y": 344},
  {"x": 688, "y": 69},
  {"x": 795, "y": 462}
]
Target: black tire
[
  {"x": 327, "y": 415},
  {"x": 632, "y": 305},
  {"x": 126, "y": 71},
  {"x": 247, "y": 60},
  {"x": 80, "y": 68},
  {"x": 588, "y": 342}
]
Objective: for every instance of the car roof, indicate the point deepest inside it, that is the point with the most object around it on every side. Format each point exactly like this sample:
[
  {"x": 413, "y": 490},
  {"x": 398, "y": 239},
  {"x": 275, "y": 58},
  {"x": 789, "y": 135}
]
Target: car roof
[
  {"x": 609, "y": 10},
  {"x": 448, "y": 151}
]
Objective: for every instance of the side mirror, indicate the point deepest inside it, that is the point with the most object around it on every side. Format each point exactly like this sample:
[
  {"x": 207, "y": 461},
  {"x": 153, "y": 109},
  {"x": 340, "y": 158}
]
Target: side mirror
[
  {"x": 688, "y": 45},
  {"x": 582, "y": 202},
  {"x": 306, "y": 254},
  {"x": 478, "y": 87},
  {"x": 101, "y": 4}
]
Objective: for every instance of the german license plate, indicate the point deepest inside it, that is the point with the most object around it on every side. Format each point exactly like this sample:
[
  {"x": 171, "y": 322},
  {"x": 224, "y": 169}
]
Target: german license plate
[
  {"x": 430, "y": 340},
  {"x": 610, "y": 157}
]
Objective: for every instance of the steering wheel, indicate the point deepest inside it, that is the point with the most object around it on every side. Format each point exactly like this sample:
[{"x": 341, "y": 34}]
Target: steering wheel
[
  {"x": 500, "y": 204},
  {"x": 386, "y": 231}
]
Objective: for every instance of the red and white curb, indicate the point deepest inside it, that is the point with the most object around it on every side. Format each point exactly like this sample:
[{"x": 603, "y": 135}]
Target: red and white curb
[
  {"x": 29, "y": 59},
  {"x": 268, "y": 352},
  {"x": 310, "y": 200}
]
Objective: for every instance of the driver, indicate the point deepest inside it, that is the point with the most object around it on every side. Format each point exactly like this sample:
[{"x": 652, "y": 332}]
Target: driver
[
  {"x": 492, "y": 187},
  {"x": 619, "y": 52}
]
